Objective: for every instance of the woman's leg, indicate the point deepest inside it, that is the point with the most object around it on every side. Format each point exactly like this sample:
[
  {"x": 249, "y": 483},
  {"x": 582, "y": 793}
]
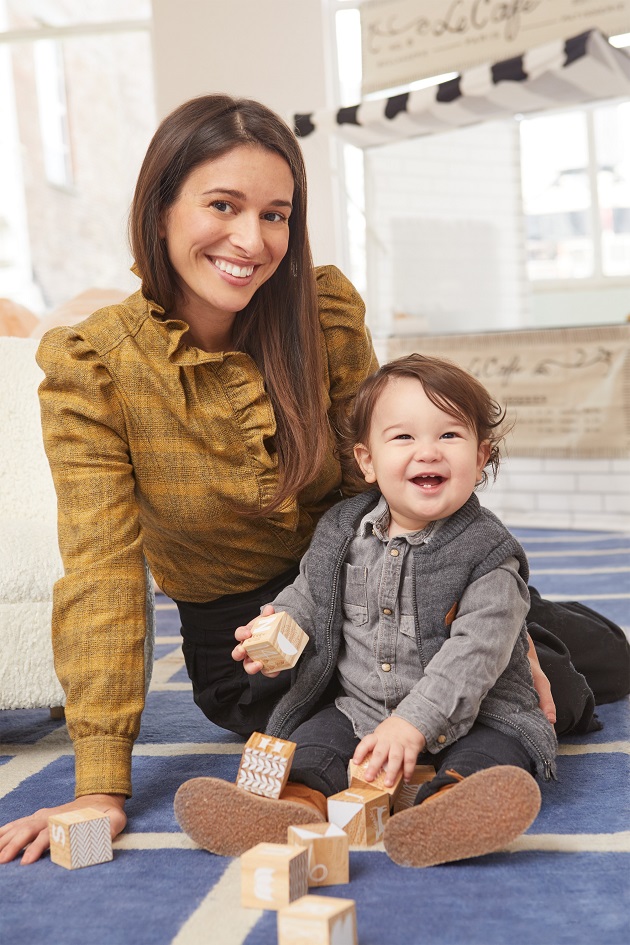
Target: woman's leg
[
  {"x": 598, "y": 649},
  {"x": 221, "y": 687},
  {"x": 482, "y": 798}
]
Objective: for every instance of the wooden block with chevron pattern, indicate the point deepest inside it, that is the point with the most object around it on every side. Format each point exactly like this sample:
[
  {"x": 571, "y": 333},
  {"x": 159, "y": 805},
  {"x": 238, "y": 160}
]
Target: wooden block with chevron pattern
[
  {"x": 276, "y": 640},
  {"x": 362, "y": 812},
  {"x": 273, "y": 875},
  {"x": 318, "y": 920},
  {"x": 407, "y": 794},
  {"x": 328, "y": 852},
  {"x": 356, "y": 778},
  {"x": 80, "y": 838},
  {"x": 265, "y": 765}
]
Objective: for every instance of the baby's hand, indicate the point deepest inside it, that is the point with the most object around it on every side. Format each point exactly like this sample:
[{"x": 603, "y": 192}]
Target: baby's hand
[
  {"x": 239, "y": 653},
  {"x": 394, "y": 744}
]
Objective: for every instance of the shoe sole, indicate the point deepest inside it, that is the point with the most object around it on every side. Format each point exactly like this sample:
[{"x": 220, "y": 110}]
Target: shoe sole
[
  {"x": 225, "y": 819},
  {"x": 481, "y": 814}
]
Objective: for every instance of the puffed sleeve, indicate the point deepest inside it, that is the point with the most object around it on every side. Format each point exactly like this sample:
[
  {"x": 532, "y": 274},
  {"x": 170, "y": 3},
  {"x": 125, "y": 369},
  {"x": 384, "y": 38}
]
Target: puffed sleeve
[
  {"x": 99, "y": 606},
  {"x": 349, "y": 351}
]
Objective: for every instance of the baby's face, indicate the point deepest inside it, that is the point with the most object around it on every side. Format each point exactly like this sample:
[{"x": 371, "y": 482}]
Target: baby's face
[{"x": 425, "y": 462}]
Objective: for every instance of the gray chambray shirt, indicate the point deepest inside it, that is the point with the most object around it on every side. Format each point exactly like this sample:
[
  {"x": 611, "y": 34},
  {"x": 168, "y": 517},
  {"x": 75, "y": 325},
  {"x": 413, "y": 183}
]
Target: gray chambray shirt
[{"x": 379, "y": 665}]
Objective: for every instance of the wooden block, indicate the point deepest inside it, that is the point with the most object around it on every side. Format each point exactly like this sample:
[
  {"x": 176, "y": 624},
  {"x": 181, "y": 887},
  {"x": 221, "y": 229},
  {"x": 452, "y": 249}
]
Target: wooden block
[
  {"x": 277, "y": 641},
  {"x": 318, "y": 920},
  {"x": 80, "y": 838},
  {"x": 273, "y": 875},
  {"x": 265, "y": 765},
  {"x": 356, "y": 778},
  {"x": 407, "y": 794},
  {"x": 362, "y": 812},
  {"x": 328, "y": 852}
]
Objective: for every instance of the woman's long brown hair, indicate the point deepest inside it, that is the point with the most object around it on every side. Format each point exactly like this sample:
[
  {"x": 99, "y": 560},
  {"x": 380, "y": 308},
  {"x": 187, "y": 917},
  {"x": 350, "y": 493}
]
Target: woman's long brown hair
[{"x": 279, "y": 328}]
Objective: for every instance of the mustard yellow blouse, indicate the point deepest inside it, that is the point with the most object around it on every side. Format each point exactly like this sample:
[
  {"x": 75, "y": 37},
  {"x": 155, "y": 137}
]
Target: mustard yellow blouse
[{"x": 149, "y": 441}]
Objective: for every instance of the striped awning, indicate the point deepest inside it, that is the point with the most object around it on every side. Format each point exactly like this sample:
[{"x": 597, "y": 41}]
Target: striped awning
[{"x": 560, "y": 74}]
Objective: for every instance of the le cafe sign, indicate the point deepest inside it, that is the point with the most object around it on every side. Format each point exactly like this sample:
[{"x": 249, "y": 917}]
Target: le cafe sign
[
  {"x": 460, "y": 17},
  {"x": 405, "y": 40}
]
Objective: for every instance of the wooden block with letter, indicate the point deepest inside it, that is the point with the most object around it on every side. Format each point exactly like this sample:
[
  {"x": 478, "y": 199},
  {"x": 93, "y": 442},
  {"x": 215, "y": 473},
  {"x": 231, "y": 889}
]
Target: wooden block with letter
[
  {"x": 265, "y": 765},
  {"x": 273, "y": 875},
  {"x": 328, "y": 852},
  {"x": 80, "y": 838},
  {"x": 276, "y": 640},
  {"x": 356, "y": 778},
  {"x": 362, "y": 812},
  {"x": 407, "y": 794},
  {"x": 318, "y": 920}
]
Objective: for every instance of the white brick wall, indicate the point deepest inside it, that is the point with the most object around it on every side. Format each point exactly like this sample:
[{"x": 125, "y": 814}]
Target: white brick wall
[
  {"x": 445, "y": 231},
  {"x": 562, "y": 493}
]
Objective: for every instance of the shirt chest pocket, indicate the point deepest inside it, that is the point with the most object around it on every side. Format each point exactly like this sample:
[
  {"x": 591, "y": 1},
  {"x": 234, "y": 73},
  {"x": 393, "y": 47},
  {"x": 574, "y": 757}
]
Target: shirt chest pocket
[{"x": 354, "y": 594}]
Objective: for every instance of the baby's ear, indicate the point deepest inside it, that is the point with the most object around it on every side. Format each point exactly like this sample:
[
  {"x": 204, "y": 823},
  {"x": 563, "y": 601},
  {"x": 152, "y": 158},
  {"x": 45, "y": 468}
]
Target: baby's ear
[
  {"x": 364, "y": 460},
  {"x": 483, "y": 455}
]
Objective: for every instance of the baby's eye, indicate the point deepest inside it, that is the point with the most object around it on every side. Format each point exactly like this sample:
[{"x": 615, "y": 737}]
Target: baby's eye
[
  {"x": 402, "y": 436},
  {"x": 449, "y": 436}
]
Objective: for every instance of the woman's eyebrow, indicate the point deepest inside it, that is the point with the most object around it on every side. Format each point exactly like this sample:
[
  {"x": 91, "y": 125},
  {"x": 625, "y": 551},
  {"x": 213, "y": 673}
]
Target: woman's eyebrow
[{"x": 239, "y": 195}]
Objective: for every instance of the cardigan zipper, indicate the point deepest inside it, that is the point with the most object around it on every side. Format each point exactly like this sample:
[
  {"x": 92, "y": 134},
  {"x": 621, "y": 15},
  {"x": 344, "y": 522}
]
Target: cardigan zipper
[
  {"x": 331, "y": 612},
  {"x": 545, "y": 761}
]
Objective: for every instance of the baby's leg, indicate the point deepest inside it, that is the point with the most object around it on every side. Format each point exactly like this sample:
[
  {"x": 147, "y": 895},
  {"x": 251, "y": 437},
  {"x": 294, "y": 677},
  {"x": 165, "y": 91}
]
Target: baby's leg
[
  {"x": 482, "y": 798},
  {"x": 325, "y": 744},
  {"x": 228, "y": 820}
]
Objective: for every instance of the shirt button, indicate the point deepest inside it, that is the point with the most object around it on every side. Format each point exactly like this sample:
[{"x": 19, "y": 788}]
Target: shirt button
[
  {"x": 394, "y": 552},
  {"x": 387, "y": 611},
  {"x": 386, "y": 668},
  {"x": 441, "y": 739}
]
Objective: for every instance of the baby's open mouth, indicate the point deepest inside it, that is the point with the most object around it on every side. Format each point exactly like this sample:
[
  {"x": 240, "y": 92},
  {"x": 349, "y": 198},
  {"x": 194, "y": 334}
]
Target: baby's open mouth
[{"x": 427, "y": 482}]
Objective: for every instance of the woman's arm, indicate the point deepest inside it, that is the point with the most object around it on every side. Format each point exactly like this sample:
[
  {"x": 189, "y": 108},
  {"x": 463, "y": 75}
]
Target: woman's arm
[{"x": 99, "y": 619}]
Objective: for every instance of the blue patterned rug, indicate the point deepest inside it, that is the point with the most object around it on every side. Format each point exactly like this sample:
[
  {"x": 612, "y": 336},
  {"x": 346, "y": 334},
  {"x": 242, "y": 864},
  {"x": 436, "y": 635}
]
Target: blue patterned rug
[{"x": 565, "y": 881}]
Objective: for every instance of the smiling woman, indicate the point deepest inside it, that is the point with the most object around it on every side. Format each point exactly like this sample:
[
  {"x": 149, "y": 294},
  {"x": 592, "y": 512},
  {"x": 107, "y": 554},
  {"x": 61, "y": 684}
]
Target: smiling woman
[{"x": 192, "y": 427}]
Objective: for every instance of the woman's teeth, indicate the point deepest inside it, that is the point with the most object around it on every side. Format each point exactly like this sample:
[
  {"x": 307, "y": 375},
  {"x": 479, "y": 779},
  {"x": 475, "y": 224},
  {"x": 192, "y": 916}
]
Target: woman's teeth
[{"x": 232, "y": 270}]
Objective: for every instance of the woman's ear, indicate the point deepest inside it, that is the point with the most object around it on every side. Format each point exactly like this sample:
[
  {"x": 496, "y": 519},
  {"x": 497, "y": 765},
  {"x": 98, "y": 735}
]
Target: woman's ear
[{"x": 364, "y": 460}]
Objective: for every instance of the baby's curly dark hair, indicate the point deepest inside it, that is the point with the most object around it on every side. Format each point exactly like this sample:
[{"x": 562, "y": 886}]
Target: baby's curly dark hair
[{"x": 447, "y": 386}]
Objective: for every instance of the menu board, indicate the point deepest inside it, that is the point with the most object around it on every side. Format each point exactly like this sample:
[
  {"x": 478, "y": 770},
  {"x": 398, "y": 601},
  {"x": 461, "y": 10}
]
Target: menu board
[{"x": 566, "y": 390}]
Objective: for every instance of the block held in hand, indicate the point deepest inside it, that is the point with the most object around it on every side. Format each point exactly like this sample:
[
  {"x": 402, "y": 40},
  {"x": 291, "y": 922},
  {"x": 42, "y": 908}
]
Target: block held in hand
[{"x": 276, "y": 641}]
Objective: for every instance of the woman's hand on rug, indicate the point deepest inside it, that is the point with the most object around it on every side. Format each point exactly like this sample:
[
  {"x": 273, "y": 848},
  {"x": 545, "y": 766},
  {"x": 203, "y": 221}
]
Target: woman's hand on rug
[
  {"x": 239, "y": 654},
  {"x": 541, "y": 683},
  {"x": 394, "y": 744},
  {"x": 31, "y": 833}
]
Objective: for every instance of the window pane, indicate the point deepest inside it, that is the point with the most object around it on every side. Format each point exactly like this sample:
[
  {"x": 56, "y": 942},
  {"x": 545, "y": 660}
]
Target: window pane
[
  {"x": 556, "y": 197},
  {"x": 77, "y": 232},
  {"x": 33, "y": 14},
  {"x": 612, "y": 144}
]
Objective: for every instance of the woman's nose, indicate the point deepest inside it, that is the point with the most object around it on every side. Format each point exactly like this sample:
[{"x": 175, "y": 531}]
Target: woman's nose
[{"x": 247, "y": 234}]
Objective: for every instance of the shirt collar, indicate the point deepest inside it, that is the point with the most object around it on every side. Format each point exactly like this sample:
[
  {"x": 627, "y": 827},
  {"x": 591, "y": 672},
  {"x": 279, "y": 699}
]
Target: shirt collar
[{"x": 376, "y": 522}]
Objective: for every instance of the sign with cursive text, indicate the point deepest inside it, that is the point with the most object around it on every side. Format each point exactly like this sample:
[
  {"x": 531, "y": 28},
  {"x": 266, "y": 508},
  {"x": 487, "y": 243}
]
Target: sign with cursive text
[
  {"x": 566, "y": 390},
  {"x": 407, "y": 40}
]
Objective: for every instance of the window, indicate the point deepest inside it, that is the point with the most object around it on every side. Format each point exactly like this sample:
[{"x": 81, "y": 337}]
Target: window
[
  {"x": 53, "y": 111},
  {"x": 576, "y": 193}
]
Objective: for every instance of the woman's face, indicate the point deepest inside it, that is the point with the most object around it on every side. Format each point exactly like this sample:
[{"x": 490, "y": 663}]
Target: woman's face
[{"x": 226, "y": 234}]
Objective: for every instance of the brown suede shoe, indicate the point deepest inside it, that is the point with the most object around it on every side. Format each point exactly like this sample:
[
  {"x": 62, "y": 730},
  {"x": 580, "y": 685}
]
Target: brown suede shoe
[
  {"x": 227, "y": 820},
  {"x": 481, "y": 814}
]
